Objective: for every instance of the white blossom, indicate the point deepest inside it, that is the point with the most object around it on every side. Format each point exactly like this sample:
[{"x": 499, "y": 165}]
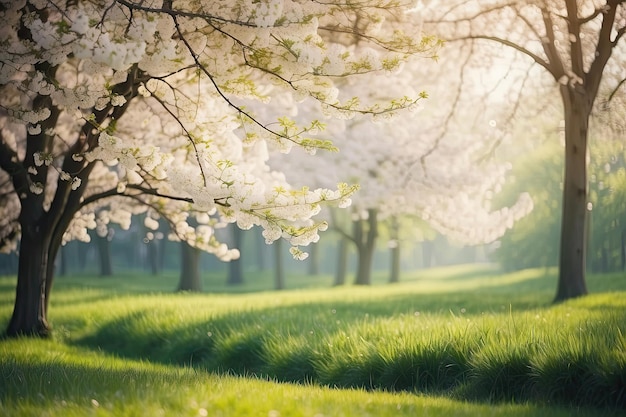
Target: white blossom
[
  {"x": 142, "y": 103},
  {"x": 76, "y": 183}
]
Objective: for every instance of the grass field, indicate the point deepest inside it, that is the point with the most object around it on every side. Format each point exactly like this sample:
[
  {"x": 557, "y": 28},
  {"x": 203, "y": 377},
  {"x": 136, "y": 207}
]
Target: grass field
[{"x": 456, "y": 341}]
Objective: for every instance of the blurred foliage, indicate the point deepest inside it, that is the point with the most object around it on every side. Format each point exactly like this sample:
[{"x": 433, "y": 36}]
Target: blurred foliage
[
  {"x": 607, "y": 186},
  {"x": 534, "y": 241}
]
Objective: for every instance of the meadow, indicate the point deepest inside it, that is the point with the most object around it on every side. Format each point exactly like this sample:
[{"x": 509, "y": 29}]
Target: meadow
[{"x": 456, "y": 341}]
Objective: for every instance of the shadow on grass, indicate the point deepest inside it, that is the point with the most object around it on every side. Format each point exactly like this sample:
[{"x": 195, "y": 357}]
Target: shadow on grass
[
  {"x": 57, "y": 379},
  {"x": 328, "y": 342},
  {"x": 345, "y": 344},
  {"x": 61, "y": 385}
]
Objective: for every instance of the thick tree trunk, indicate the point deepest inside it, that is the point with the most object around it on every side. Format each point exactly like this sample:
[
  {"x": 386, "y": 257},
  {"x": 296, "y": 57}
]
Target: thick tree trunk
[
  {"x": 279, "y": 271},
  {"x": 43, "y": 224},
  {"x": 190, "y": 279},
  {"x": 365, "y": 249},
  {"x": 572, "y": 259},
  {"x": 342, "y": 262},
  {"x": 235, "y": 273},
  {"x": 364, "y": 265},
  {"x": 30, "y": 309}
]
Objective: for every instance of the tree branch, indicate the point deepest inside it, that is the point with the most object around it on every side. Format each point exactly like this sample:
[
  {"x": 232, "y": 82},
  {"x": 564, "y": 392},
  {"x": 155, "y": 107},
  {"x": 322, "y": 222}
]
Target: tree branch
[
  {"x": 508, "y": 43},
  {"x": 335, "y": 226},
  {"x": 604, "y": 48},
  {"x": 179, "y": 13},
  {"x": 617, "y": 87},
  {"x": 185, "y": 131},
  {"x": 576, "y": 49},
  {"x": 554, "y": 65}
]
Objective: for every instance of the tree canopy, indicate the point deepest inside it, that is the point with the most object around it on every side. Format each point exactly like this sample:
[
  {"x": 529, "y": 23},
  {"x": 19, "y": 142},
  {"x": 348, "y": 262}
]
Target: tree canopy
[
  {"x": 123, "y": 107},
  {"x": 579, "y": 48}
]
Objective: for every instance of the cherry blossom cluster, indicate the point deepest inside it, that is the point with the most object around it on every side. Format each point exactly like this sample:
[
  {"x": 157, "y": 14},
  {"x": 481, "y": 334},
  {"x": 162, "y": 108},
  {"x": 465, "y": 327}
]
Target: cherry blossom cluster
[
  {"x": 141, "y": 107},
  {"x": 405, "y": 168}
]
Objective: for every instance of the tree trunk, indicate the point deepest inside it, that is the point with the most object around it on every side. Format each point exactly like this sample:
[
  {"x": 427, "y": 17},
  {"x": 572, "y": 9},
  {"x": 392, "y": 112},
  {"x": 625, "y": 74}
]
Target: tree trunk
[
  {"x": 394, "y": 275},
  {"x": 572, "y": 259},
  {"x": 235, "y": 275},
  {"x": 279, "y": 271},
  {"x": 623, "y": 250},
  {"x": 104, "y": 252},
  {"x": 365, "y": 248},
  {"x": 364, "y": 265},
  {"x": 395, "y": 263},
  {"x": 83, "y": 254},
  {"x": 30, "y": 309},
  {"x": 43, "y": 227},
  {"x": 152, "y": 249},
  {"x": 189, "y": 269},
  {"x": 342, "y": 262}
]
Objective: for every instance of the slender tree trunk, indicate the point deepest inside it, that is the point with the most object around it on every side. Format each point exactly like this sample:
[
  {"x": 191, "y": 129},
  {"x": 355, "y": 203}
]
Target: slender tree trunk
[
  {"x": 394, "y": 275},
  {"x": 572, "y": 262},
  {"x": 83, "y": 253},
  {"x": 365, "y": 249},
  {"x": 279, "y": 270},
  {"x": 190, "y": 279},
  {"x": 342, "y": 262},
  {"x": 395, "y": 263},
  {"x": 235, "y": 274},
  {"x": 104, "y": 252},
  {"x": 623, "y": 250},
  {"x": 152, "y": 249}
]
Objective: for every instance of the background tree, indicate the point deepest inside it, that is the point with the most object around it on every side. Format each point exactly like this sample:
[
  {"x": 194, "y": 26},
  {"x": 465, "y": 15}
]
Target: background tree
[
  {"x": 406, "y": 166},
  {"x": 574, "y": 42},
  {"x": 235, "y": 267},
  {"x": 133, "y": 106},
  {"x": 539, "y": 170},
  {"x": 279, "y": 267},
  {"x": 190, "y": 273}
]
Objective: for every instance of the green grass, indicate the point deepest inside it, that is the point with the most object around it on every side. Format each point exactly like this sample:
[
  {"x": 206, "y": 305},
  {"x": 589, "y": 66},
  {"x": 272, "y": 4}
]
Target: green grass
[{"x": 466, "y": 341}]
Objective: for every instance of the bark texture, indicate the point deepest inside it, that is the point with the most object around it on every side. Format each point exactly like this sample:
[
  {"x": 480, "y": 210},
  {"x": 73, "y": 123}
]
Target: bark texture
[
  {"x": 190, "y": 277},
  {"x": 365, "y": 244}
]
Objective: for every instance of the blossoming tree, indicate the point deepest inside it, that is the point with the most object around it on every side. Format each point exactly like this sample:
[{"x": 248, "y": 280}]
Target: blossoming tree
[
  {"x": 123, "y": 107},
  {"x": 579, "y": 47},
  {"x": 406, "y": 166}
]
